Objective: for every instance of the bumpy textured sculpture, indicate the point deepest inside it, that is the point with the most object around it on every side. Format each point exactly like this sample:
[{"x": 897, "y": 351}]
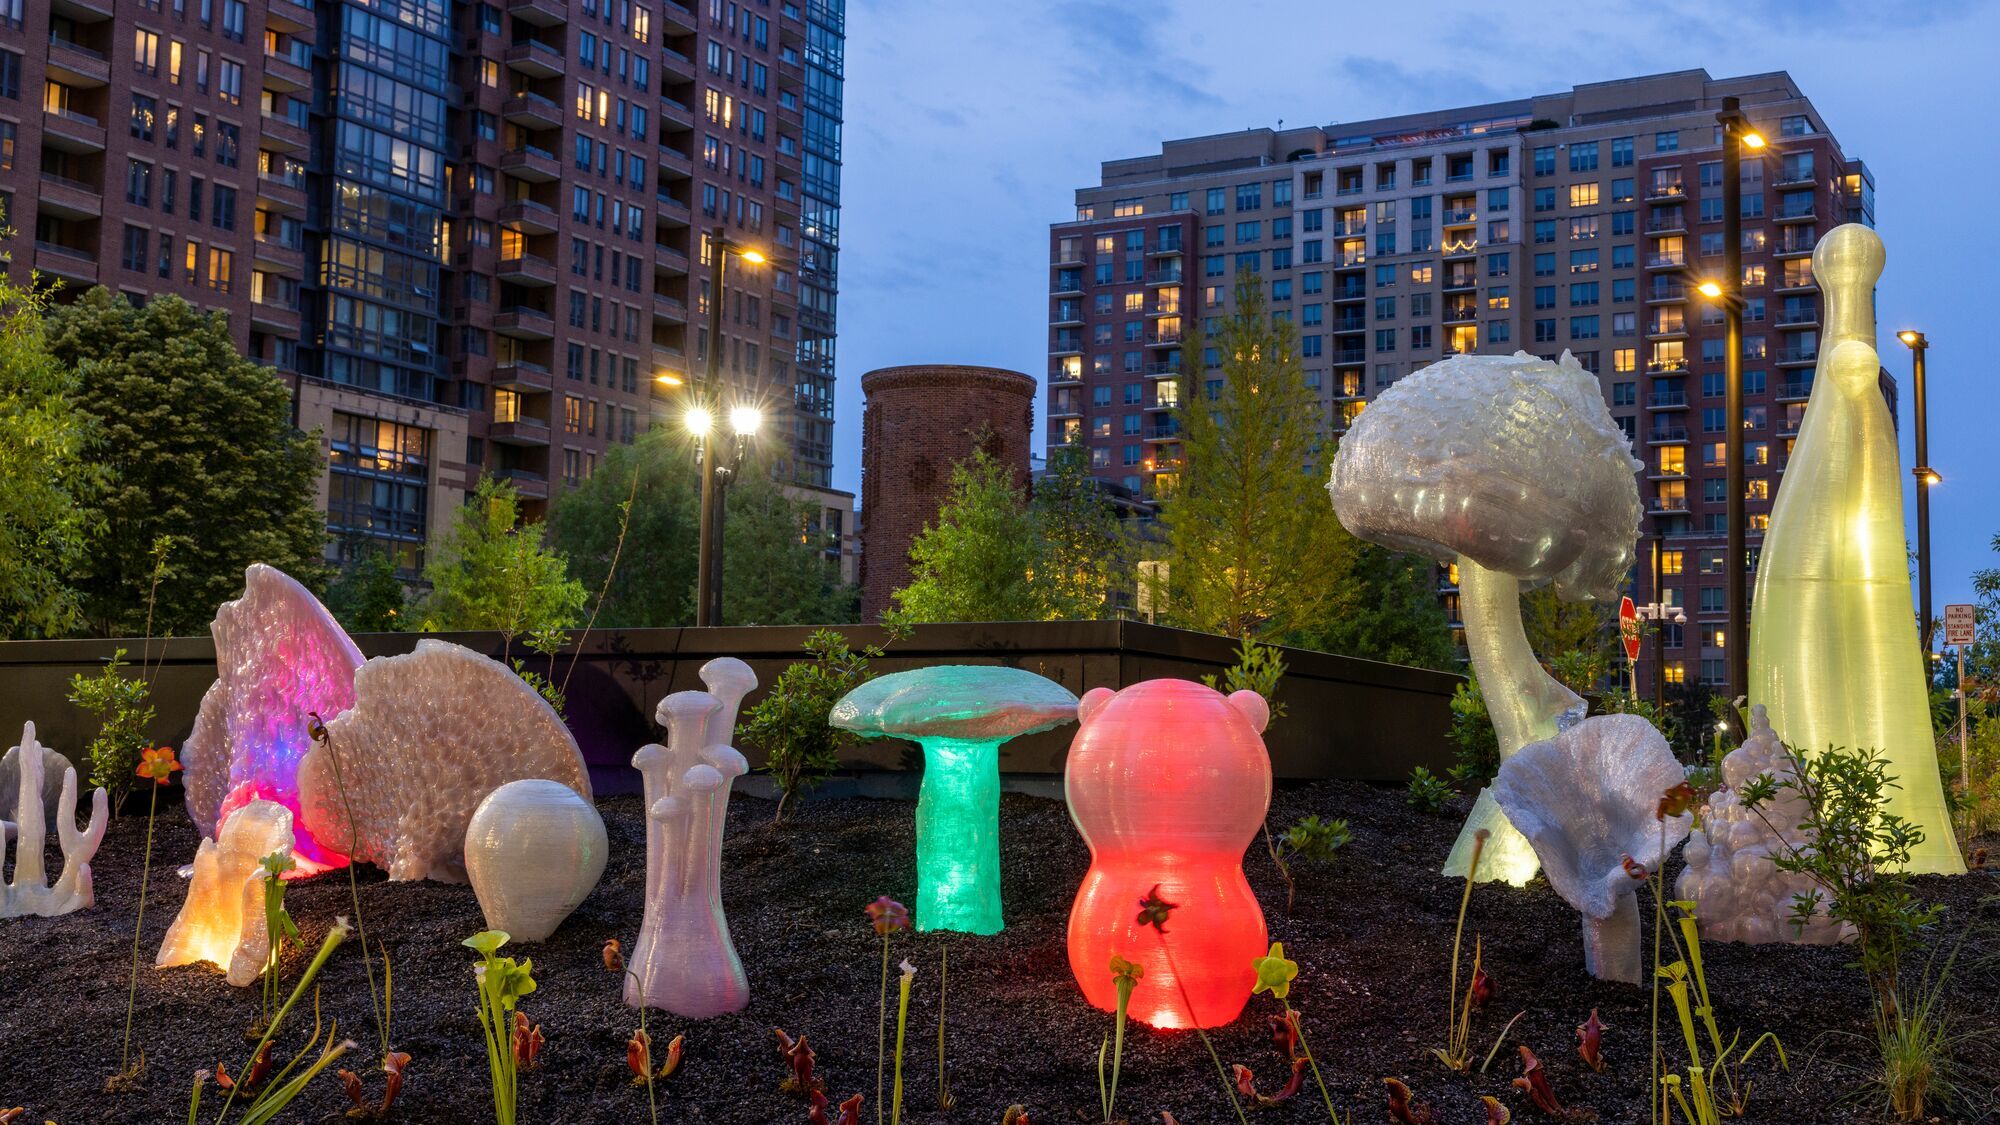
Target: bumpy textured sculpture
[
  {"x": 53, "y": 767},
  {"x": 959, "y": 714},
  {"x": 1834, "y": 653},
  {"x": 278, "y": 656},
  {"x": 533, "y": 851},
  {"x": 1168, "y": 782},
  {"x": 430, "y": 734},
  {"x": 222, "y": 921},
  {"x": 1739, "y": 895},
  {"x": 684, "y": 960},
  {"x": 1512, "y": 468},
  {"x": 1586, "y": 799},
  {"x": 28, "y": 892}
]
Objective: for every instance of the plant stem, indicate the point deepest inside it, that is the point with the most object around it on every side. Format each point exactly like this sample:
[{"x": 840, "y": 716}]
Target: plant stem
[
  {"x": 1457, "y": 939},
  {"x": 1195, "y": 1022},
  {"x": 333, "y": 939},
  {"x": 881, "y": 1029},
  {"x": 354, "y": 886},
  {"x": 902, "y": 1021},
  {"x": 617, "y": 549},
  {"x": 1118, "y": 1046},
  {"x": 944, "y": 1094},
  {"x": 145, "y": 872},
  {"x": 1303, "y": 1046},
  {"x": 1659, "y": 922}
]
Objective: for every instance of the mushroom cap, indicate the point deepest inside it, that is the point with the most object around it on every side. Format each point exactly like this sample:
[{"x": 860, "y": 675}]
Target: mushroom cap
[
  {"x": 962, "y": 701},
  {"x": 1510, "y": 461},
  {"x": 1586, "y": 800}
]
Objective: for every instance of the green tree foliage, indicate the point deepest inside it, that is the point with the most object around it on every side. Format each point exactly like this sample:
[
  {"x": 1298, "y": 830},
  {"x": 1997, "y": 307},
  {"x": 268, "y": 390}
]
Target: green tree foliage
[
  {"x": 978, "y": 560},
  {"x": 43, "y": 476},
  {"x": 198, "y": 444},
  {"x": 1390, "y": 610},
  {"x": 493, "y": 572},
  {"x": 124, "y": 715},
  {"x": 1556, "y": 628},
  {"x": 1082, "y": 548},
  {"x": 1252, "y": 543},
  {"x": 775, "y": 570},
  {"x": 790, "y": 723},
  {"x": 365, "y": 595}
]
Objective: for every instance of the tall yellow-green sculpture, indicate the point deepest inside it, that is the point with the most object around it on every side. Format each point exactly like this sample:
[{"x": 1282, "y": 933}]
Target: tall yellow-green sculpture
[{"x": 1833, "y": 645}]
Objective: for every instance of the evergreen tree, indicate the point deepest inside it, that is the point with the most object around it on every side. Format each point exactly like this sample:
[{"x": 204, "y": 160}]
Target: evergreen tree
[
  {"x": 775, "y": 570},
  {"x": 365, "y": 595},
  {"x": 493, "y": 572},
  {"x": 1556, "y": 627},
  {"x": 44, "y": 527},
  {"x": 978, "y": 560},
  {"x": 1253, "y": 546},
  {"x": 1082, "y": 557},
  {"x": 1390, "y": 611},
  {"x": 652, "y": 585},
  {"x": 198, "y": 445}
]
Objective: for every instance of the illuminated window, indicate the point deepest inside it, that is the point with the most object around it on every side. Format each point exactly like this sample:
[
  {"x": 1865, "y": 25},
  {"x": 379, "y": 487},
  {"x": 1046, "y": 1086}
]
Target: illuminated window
[
  {"x": 1670, "y": 562},
  {"x": 1673, "y": 459},
  {"x": 1757, "y": 490},
  {"x": 1624, "y": 360},
  {"x": 1760, "y": 521},
  {"x": 506, "y": 405},
  {"x": 1583, "y": 195},
  {"x": 489, "y": 73},
  {"x": 1420, "y": 275},
  {"x": 1135, "y": 302},
  {"x": 1126, "y": 208},
  {"x": 1676, "y": 673}
]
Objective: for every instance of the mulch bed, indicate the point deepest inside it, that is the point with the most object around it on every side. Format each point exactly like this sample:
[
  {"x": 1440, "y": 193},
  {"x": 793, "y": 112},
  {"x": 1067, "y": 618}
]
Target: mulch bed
[{"x": 1372, "y": 934}]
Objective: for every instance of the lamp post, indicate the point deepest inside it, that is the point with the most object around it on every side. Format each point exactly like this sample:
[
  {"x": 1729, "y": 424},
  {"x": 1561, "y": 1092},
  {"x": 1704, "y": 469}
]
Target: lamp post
[
  {"x": 1926, "y": 477},
  {"x": 1659, "y": 612},
  {"x": 717, "y": 469},
  {"x": 708, "y": 585},
  {"x": 1728, "y": 292}
]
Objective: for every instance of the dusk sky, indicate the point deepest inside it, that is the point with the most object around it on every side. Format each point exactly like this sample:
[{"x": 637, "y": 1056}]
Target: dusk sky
[{"x": 969, "y": 126}]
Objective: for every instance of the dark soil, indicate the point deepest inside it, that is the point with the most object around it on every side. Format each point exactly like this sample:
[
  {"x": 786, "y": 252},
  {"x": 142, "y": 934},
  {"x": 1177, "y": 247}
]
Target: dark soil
[{"x": 1372, "y": 934}]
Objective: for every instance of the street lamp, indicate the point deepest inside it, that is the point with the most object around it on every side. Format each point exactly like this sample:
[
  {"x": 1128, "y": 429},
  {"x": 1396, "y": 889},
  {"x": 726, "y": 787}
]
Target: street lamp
[
  {"x": 1926, "y": 477},
  {"x": 1727, "y": 291},
  {"x": 717, "y": 469},
  {"x": 1659, "y": 611},
  {"x": 708, "y": 584}
]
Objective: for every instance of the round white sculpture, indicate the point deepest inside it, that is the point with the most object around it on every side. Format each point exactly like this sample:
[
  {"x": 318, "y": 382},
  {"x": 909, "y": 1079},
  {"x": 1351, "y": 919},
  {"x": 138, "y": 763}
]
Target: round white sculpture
[
  {"x": 533, "y": 851},
  {"x": 1739, "y": 894}
]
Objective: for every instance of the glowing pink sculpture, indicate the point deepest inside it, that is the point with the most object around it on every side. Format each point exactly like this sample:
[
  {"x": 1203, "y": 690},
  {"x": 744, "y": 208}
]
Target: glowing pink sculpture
[
  {"x": 278, "y": 655},
  {"x": 1168, "y": 782},
  {"x": 684, "y": 960}
]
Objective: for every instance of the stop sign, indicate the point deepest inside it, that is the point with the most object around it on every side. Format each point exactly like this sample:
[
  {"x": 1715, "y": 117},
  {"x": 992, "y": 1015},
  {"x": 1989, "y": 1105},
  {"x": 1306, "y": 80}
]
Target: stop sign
[{"x": 1628, "y": 628}]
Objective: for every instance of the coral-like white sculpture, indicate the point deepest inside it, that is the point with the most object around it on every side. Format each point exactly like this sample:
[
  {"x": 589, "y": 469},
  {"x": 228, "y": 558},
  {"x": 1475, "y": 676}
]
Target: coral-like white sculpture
[
  {"x": 279, "y": 655},
  {"x": 1511, "y": 467},
  {"x": 1739, "y": 894},
  {"x": 54, "y": 765},
  {"x": 959, "y": 714},
  {"x": 222, "y": 921},
  {"x": 1586, "y": 799},
  {"x": 430, "y": 734},
  {"x": 28, "y": 892},
  {"x": 1833, "y": 650},
  {"x": 533, "y": 852},
  {"x": 684, "y": 960}
]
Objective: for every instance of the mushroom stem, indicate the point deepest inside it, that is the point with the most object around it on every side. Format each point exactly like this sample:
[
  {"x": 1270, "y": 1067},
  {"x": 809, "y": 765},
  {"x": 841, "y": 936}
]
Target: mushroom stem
[
  {"x": 1522, "y": 699},
  {"x": 1611, "y": 945},
  {"x": 958, "y": 836}
]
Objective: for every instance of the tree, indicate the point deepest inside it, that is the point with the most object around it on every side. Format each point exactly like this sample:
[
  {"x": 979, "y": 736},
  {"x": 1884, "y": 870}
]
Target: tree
[
  {"x": 197, "y": 444},
  {"x": 1389, "y": 610},
  {"x": 978, "y": 560},
  {"x": 1556, "y": 627},
  {"x": 775, "y": 567},
  {"x": 652, "y": 585},
  {"x": 44, "y": 527},
  {"x": 1251, "y": 537},
  {"x": 1082, "y": 549},
  {"x": 493, "y": 572},
  {"x": 365, "y": 595}
]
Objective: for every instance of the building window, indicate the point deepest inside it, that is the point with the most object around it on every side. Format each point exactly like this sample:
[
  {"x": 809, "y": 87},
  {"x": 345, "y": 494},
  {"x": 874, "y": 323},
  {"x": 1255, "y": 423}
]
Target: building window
[
  {"x": 378, "y": 473},
  {"x": 1583, "y": 156}
]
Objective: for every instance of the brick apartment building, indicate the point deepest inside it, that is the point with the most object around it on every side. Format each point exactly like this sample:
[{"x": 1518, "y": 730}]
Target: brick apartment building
[
  {"x": 472, "y": 236},
  {"x": 1574, "y": 221}
]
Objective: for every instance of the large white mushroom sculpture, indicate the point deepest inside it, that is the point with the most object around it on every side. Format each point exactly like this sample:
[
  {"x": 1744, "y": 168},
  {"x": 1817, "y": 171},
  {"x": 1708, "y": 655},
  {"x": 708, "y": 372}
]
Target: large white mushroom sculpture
[{"x": 1511, "y": 467}]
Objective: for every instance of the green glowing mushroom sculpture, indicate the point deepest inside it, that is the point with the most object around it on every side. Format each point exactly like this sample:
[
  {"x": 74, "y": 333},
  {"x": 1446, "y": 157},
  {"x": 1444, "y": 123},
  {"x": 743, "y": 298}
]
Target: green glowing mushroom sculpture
[{"x": 959, "y": 714}]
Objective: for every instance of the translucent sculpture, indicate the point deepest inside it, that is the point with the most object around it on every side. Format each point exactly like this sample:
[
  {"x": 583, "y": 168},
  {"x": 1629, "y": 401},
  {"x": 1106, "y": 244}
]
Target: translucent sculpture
[
  {"x": 1739, "y": 895},
  {"x": 533, "y": 851},
  {"x": 1586, "y": 799},
  {"x": 1512, "y": 468},
  {"x": 222, "y": 921},
  {"x": 1168, "y": 782},
  {"x": 684, "y": 960},
  {"x": 29, "y": 892},
  {"x": 1834, "y": 653},
  {"x": 430, "y": 734},
  {"x": 54, "y": 765},
  {"x": 959, "y": 714},
  {"x": 279, "y": 655}
]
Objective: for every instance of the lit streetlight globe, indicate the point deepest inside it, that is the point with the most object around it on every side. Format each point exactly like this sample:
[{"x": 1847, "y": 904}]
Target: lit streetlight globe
[
  {"x": 745, "y": 420},
  {"x": 699, "y": 421}
]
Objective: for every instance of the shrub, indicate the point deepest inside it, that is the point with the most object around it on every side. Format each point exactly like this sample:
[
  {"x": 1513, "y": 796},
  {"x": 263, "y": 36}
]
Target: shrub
[
  {"x": 1475, "y": 744},
  {"x": 790, "y": 724},
  {"x": 1427, "y": 791},
  {"x": 124, "y": 714},
  {"x": 1258, "y": 668}
]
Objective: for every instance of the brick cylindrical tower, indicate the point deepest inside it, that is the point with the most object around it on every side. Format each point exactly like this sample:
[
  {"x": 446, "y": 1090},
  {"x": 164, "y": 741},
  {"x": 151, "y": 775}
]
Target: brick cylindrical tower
[{"x": 917, "y": 423}]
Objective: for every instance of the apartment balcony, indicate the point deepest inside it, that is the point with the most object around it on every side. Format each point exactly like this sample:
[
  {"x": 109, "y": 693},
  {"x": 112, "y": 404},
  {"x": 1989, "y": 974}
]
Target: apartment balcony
[
  {"x": 671, "y": 212},
  {"x": 531, "y": 165},
  {"x": 1157, "y": 337},
  {"x": 666, "y": 259},
  {"x": 71, "y": 263},
  {"x": 529, "y": 217},
  {"x": 1797, "y": 356},
  {"x": 1348, "y": 356},
  {"x": 1460, "y": 217},
  {"x": 532, "y": 111},
  {"x": 674, "y": 113},
  {"x": 1460, "y": 282},
  {"x": 1065, "y": 285},
  {"x": 540, "y": 13},
  {"x": 1674, "y": 225},
  {"x": 282, "y": 134},
  {"x": 1659, "y": 473},
  {"x": 288, "y": 73},
  {"x": 1459, "y": 314},
  {"x": 278, "y": 256},
  {"x": 1164, "y": 251},
  {"x": 1794, "y": 284},
  {"x": 669, "y": 310},
  {"x": 791, "y": 73},
  {"x": 1798, "y": 318},
  {"x": 1354, "y": 324},
  {"x": 1166, "y": 370},
  {"x": 676, "y": 64},
  {"x": 1666, "y": 261},
  {"x": 527, "y": 269},
  {"x": 1804, "y": 214},
  {"x": 1159, "y": 311},
  {"x": 522, "y": 376},
  {"x": 82, "y": 11},
  {"x": 1065, "y": 410},
  {"x": 1795, "y": 390},
  {"x": 677, "y": 16},
  {"x": 1356, "y": 292},
  {"x": 277, "y": 191},
  {"x": 1794, "y": 243},
  {"x": 69, "y": 199},
  {"x": 1460, "y": 247},
  {"x": 72, "y": 131},
  {"x": 1667, "y": 400},
  {"x": 1164, "y": 277},
  {"x": 1670, "y": 330},
  {"x": 1060, "y": 378},
  {"x": 1349, "y": 392},
  {"x": 521, "y": 431},
  {"x": 1161, "y": 433},
  {"x": 527, "y": 485},
  {"x": 534, "y": 59},
  {"x": 1666, "y": 505},
  {"x": 668, "y": 360},
  {"x": 1667, "y": 435},
  {"x": 524, "y": 323},
  {"x": 1667, "y": 191},
  {"x": 1067, "y": 345},
  {"x": 1065, "y": 317},
  {"x": 1660, "y": 294},
  {"x": 74, "y": 64},
  {"x": 1350, "y": 230},
  {"x": 274, "y": 316},
  {"x": 289, "y": 16},
  {"x": 674, "y": 162},
  {"x": 1667, "y": 367},
  {"x": 1789, "y": 427}
]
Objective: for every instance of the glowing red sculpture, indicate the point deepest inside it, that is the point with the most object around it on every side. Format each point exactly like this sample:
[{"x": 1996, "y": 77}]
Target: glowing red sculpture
[{"x": 1168, "y": 782}]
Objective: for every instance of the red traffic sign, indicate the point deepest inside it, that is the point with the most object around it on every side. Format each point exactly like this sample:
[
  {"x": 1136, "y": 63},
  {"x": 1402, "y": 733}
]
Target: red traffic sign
[{"x": 1628, "y": 628}]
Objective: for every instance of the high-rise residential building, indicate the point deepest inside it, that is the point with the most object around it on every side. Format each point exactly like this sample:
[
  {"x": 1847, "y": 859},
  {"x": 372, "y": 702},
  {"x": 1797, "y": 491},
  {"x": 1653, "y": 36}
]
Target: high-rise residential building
[
  {"x": 1578, "y": 221},
  {"x": 472, "y": 236}
]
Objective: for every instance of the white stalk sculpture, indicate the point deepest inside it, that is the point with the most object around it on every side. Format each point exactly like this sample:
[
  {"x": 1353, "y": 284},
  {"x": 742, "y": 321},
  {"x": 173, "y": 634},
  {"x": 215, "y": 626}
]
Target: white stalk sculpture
[
  {"x": 683, "y": 960},
  {"x": 29, "y": 891}
]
